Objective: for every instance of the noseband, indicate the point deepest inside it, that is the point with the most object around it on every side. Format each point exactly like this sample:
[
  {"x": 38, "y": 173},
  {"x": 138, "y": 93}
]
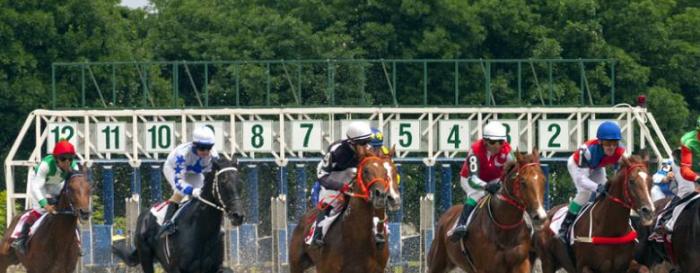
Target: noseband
[{"x": 512, "y": 198}]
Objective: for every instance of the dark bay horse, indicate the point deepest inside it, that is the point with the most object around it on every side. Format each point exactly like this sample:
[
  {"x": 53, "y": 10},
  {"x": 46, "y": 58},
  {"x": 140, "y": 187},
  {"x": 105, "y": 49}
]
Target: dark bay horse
[
  {"x": 350, "y": 245},
  {"x": 604, "y": 240},
  {"x": 498, "y": 240},
  {"x": 197, "y": 246},
  {"x": 683, "y": 250},
  {"x": 54, "y": 247}
]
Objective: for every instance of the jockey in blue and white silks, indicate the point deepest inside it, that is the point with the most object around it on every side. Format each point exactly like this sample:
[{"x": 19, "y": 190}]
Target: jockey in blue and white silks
[{"x": 184, "y": 170}]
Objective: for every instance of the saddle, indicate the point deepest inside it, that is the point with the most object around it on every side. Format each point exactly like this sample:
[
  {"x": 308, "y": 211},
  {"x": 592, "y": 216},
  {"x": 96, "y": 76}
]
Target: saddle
[{"x": 666, "y": 220}]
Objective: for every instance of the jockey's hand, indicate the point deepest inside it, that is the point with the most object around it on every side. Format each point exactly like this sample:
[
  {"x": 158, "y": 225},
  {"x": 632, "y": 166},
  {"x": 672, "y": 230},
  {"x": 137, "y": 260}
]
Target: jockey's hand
[
  {"x": 492, "y": 188},
  {"x": 600, "y": 190},
  {"x": 50, "y": 209},
  {"x": 196, "y": 192},
  {"x": 670, "y": 176}
]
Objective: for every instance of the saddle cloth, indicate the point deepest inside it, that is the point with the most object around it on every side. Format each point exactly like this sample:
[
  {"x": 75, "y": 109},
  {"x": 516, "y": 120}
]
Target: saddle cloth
[
  {"x": 559, "y": 216},
  {"x": 158, "y": 210},
  {"x": 677, "y": 212}
]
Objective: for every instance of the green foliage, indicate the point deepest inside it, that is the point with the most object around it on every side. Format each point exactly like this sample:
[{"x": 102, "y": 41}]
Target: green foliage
[{"x": 656, "y": 44}]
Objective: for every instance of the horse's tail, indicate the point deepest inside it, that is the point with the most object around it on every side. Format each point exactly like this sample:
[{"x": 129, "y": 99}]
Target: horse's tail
[{"x": 126, "y": 254}]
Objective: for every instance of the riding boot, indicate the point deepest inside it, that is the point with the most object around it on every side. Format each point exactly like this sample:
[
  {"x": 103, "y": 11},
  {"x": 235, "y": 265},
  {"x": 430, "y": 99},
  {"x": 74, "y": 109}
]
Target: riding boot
[
  {"x": 20, "y": 244},
  {"x": 461, "y": 229},
  {"x": 564, "y": 229},
  {"x": 169, "y": 224},
  {"x": 318, "y": 231}
]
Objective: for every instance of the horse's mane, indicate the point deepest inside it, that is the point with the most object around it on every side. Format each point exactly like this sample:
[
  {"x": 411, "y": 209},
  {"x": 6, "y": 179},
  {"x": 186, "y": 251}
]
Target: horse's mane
[{"x": 523, "y": 157}]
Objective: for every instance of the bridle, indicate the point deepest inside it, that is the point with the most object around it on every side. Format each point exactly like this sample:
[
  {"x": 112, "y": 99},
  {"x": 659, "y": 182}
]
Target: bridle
[
  {"x": 65, "y": 192},
  {"x": 364, "y": 188},
  {"x": 216, "y": 192},
  {"x": 512, "y": 196},
  {"x": 626, "y": 200}
]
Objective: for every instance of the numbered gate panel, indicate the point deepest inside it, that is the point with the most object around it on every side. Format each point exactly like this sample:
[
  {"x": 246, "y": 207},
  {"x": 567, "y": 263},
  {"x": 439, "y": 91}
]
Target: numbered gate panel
[
  {"x": 256, "y": 136},
  {"x": 63, "y": 130},
  {"x": 158, "y": 137},
  {"x": 593, "y": 125},
  {"x": 553, "y": 135},
  {"x": 306, "y": 135},
  {"x": 513, "y": 130},
  {"x": 221, "y": 131},
  {"x": 454, "y": 135},
  {"x": 406, "y": 135},
  {"x": 111, "y": 137}
]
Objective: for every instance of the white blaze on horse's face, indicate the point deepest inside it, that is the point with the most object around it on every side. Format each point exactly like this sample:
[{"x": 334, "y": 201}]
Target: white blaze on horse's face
[
  {"x": 392, "y": 191},
  {"x": 644, "y": 176}
]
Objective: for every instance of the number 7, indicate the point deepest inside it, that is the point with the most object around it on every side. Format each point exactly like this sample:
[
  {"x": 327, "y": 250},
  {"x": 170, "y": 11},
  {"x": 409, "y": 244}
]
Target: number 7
[{"x": 308, "y": 127}]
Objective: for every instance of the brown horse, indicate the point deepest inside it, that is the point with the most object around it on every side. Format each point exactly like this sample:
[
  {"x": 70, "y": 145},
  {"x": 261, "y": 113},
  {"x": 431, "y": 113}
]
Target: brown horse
[
  {"x": 603, "y": 238},
  {"x": 54, "y": 247},
  {"x": 350, "y": 245},
  {"x": 498, "y": 240}
]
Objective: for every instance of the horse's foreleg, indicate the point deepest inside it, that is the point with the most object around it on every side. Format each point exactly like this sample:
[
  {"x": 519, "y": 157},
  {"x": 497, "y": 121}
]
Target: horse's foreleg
[
  {"x": 5, "y": 262},
  {"x": 438, "y": 258}
]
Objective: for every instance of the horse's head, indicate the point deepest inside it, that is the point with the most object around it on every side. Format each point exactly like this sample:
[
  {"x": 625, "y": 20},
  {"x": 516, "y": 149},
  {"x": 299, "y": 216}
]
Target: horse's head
[
  {"x": 225, "y": 189},
  {"x": 524, "y": 186},
  {"x": 393, "y": 178},
  {"x": 630, "y": 188},
  {"x": 372, "y": 182},
  {"x": 75, "y": 196}
]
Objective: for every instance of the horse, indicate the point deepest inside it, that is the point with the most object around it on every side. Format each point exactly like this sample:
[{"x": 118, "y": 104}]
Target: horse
[
  {"x": 498, "y": 239},
  {"x": 54, "y": 246},
  {"x": 350, "y": 244},
  {"x": 603, "y": 238},
  {"x": 197, "y": 246},
  {"x": 683, "y": 250}
]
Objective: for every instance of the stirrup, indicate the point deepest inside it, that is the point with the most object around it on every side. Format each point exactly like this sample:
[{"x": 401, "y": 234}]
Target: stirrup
[
  {"x": 459, "y": 233},
  {"x": 318, "y": 237},
  {"x": 20, "y": 245},
  {"x": 167, "y": 229}
]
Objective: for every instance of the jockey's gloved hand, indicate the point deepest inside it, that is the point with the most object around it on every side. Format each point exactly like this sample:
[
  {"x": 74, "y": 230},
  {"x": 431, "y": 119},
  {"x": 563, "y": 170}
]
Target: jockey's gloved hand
[
  {"x": 492, "y": 188},
  {"x": 196, "y": 192},
  {"x": 600, "y": 190}
]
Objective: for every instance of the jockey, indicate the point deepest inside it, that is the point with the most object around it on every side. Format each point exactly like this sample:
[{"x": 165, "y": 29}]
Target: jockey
[
  {"x": 587, "y": 168},
  {"x": 690, "y": 159},
  {"x": 482, "y": 170},
  {"x": 663, "y": 179},
  {"x": 46, "y": 184},
  {"x": 184, "y": 169},
  {"x": 377, "y": 143},
  {"x": 687, "y": 175},
  {"x": 337, "y": 169}
]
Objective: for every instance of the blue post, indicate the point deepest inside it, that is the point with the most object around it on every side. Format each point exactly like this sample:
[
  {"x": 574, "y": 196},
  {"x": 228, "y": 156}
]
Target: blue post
[
  {"x": 398, "y": 216},
  {"x": 429, "y": 179},
  {"x": 282, "y": 180},
  {"x": 300, "y": 192},
  {"x": 108, "y": 191},
  {"x": 547, "y": 197},
  {"x": 136, "y": 181},
  {"x": 156, "y": 191},
  {"x": 445, "y": 188},
  {"x": 253, "y": 194}
]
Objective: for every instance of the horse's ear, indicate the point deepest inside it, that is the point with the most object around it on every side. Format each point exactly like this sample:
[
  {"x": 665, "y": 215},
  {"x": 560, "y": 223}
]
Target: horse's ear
[
  {"x": 518, "y": 155},
  {"x": 536, "y": 154},
  {"x": 392, "y": 152},
  {"x": 625, "y": 160}
]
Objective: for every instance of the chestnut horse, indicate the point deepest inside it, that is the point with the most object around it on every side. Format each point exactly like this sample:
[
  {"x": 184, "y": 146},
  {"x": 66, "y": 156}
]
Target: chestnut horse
[
  {"x": 54, "y": 247},
  {"x": 498, "y": 240},
  {"x": 603, "y": 238},
  {"x": 350, "y": 244}
]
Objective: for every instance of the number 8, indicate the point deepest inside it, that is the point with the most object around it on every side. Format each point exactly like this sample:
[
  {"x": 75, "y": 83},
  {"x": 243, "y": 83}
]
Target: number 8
[{"x": 473, "y": 164}]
